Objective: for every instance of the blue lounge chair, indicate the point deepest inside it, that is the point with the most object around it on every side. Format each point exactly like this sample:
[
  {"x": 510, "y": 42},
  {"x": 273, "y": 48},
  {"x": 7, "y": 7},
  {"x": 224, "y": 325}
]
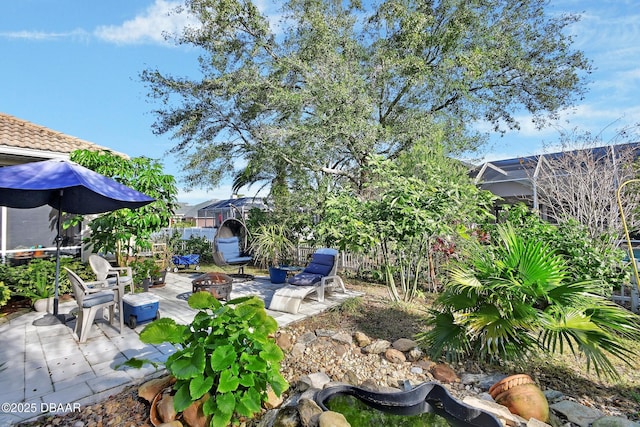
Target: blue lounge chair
[{"x": 318, "y": 276}]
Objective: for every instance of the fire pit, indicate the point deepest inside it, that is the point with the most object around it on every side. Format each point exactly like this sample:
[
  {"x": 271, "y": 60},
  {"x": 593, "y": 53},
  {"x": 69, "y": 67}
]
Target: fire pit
[{"x": 217, "y": 284}]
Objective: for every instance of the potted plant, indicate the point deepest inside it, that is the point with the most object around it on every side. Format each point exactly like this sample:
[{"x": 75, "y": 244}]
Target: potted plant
[
  {"x": 40, "y": 292},
  {"x": 270, "y": 244},
  {"x": 144, "y": 271},
  {"x": 158, "y": 274}
]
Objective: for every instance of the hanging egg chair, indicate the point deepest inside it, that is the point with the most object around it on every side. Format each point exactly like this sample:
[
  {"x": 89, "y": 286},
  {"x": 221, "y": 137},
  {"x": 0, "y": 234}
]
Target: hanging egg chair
[{"x": 230, "y": 247}]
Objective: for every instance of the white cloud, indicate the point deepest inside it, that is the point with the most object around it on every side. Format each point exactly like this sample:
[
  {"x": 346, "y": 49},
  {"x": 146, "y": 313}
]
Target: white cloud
[
  {"x": 42, "y": 35},
  {"x": 158, "y": 19}
]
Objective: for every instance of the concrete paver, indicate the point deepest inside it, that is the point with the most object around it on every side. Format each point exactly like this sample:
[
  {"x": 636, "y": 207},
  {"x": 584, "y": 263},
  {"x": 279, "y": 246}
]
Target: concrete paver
[{"x": 48, "y": 370}]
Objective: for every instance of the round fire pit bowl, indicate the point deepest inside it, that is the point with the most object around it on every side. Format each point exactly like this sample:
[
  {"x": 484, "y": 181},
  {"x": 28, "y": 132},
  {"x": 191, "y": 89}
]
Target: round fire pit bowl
[{"x": 217, "y": 284}]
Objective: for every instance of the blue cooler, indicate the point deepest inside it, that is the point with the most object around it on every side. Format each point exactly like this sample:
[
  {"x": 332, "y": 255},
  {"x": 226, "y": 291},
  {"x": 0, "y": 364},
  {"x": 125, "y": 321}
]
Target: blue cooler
[{"x": 140, "y": 308}]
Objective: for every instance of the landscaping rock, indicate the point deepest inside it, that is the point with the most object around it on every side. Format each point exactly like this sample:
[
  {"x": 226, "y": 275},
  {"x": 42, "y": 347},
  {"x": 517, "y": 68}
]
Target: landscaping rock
[
  {"x": 394, "y": 356},
  {"x": 307, "y": 338},
  {"x": 287, "y": 417},
  {"x": 342, "y": 337},
  {"x": 614, "y": 422},
  {"x": 332, "y": 419},
  {"x": 415, "y": 354},
  {"x": 576, "y": 413},
  {"x": 273, "y": 401},
  {"x": 284, "y": 341},
  {"x": 362, "y": 339},
  {"x": 377, "y": 347},
  {"x": 404, "y": 344},
  {"x": 309, "y": 411},
  {"x": 316, "y": 380},
  {"x": 444, "y": 373}
]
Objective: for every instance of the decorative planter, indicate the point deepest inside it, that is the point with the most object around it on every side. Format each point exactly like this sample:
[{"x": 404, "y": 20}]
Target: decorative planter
[
  {"x": 277, "y": 275},
  {"x": 520, "y": 394},
  {"x": 146, "y": 284},
  {"x": 424, "y": 398},
  {"x": 160, "y": 279},
  {"x": 44, "y": 304}
]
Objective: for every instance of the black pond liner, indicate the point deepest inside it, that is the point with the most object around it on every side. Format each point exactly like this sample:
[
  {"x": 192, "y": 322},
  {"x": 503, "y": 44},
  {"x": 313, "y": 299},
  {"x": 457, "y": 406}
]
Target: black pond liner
[{"x": 424, "y": 398}]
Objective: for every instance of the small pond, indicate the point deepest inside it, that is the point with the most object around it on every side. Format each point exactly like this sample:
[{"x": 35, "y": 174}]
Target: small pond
[{"x": 426, "y": 405}]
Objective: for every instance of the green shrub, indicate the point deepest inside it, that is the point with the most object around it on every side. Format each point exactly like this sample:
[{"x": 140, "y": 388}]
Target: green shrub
[
  {"x": 517, "y": 298},
  {"x": 586, "y": 258},
  {"x": 226, "y": 355},
  {"x": 33, "y": 278},
  {"x": 199, "y": 246},
  {"x": 5, "y": 294}
]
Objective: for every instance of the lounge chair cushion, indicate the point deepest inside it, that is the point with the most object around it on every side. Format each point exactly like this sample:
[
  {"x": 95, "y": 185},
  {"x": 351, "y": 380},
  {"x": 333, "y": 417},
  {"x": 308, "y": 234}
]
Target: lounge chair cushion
[
  {"x": 305, "y": 279},
  {"x": 229, "y": 248},
  {"x": 320, "y": 264},
  {"x": 97, "y": 298},
  {"x": 319, "y": 267}
]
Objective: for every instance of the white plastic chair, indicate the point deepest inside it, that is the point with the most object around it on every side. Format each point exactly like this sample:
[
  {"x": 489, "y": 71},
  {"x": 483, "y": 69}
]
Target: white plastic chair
[
  {"x": 91, "y": 298},
  {"x": 113, "y": 275}
]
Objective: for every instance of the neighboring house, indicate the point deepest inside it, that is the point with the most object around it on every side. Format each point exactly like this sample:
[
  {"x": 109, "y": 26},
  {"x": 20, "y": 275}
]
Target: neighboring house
[
  {"x": 213, "y": 214},
  {"x": 189, "y": 213},
  {"x": 23, "y": 142},
  {"x": 514, "y": 180}
]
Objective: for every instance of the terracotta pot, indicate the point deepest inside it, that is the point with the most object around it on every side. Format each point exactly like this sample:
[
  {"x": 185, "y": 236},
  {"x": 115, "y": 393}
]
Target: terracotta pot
[
  {"x": 520, "y": 394},
  {"x": 165, "y": 414},
  {"x": 509, "y": 382}
]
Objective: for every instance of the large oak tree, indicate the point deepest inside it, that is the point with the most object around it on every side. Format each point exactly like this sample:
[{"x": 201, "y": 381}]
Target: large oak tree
[{"x": 335, "y": 82}]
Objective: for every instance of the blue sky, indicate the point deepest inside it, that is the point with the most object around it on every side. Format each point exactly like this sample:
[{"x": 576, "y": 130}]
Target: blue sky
[{"x": 73, "y": 66}]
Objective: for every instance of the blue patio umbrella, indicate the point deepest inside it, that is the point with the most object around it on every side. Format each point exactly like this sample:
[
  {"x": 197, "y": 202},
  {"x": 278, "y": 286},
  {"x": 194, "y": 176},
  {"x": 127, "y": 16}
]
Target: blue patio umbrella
[{"x": 67, "y": 187}]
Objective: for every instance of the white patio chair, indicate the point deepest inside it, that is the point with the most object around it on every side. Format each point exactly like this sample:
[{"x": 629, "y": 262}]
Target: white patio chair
[{"x": 91, "y": 298}]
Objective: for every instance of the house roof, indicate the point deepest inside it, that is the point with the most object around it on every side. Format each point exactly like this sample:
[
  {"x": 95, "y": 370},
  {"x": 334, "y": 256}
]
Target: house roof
[
  {"x": 240, "y": 202},
  {"x": 21, "y": 140},
  {"x": 520, "y": 168},
  {"x": 191, "y": 211}
]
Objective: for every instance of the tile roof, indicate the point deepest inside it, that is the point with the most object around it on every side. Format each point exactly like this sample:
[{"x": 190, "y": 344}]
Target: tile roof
[{"x": 18, "y": 133}]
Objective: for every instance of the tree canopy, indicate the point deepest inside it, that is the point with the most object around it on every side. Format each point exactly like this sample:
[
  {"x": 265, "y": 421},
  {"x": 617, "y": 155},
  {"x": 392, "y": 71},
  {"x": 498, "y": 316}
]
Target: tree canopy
[
  {"x": 125, "y": 230},
  {"x": 336, "y": 82}
]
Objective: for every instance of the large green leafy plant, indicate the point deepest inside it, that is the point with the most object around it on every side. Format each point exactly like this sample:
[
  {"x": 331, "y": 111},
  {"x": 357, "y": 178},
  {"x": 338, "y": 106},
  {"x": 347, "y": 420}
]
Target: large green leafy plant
[
  {"x": 127, "y": 230},
  {"x": 410, "y": 205},
  {"x": 226, "y": 356},
  {"x": 517, "y": 299}
]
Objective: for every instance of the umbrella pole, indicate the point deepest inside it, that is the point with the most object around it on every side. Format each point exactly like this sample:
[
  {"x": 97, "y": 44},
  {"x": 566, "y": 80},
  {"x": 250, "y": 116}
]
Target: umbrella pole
[
  {"x": 57, "y": 282},
  {"x": 54, "y": 319}
]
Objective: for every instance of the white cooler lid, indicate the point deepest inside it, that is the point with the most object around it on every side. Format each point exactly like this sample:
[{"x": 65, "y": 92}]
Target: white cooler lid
[{"x": 140, "y": 299}]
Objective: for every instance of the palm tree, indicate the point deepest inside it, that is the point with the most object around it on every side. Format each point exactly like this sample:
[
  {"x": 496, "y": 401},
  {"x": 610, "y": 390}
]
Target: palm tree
[{"x": 515, "y": 300}]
